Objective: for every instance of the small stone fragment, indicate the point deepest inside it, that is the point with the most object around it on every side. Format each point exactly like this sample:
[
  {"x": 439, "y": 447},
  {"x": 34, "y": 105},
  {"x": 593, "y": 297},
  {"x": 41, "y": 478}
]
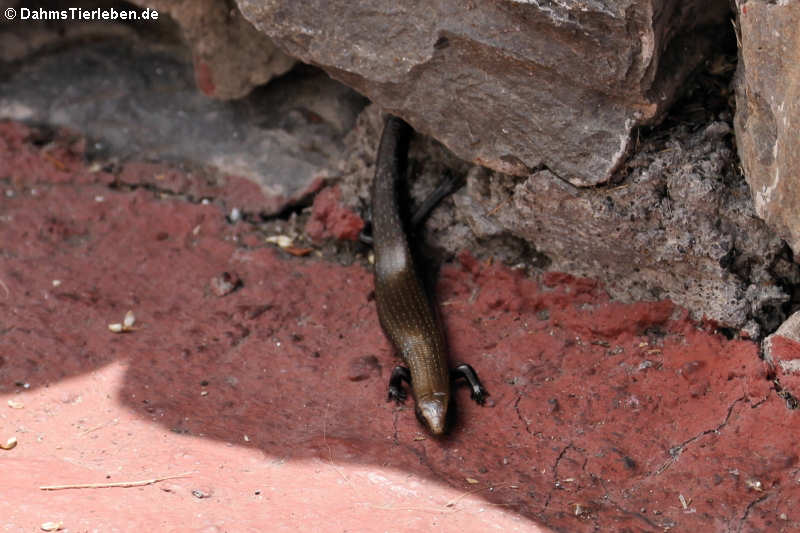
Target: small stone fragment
[
  {"x": 754, "y": 484},
  {"x": 582, "y": 509},
  {"x": 225, "y": 283},
  {"x": 200, "y": 494},
  {"x": 129, "y": 320},
  {"x": 298, "y": 252},
  {"x": 127, "y": 324},
  {"x": 330, "y": 218},
  {"x": 282, "y": 241},
  {"x": 782, "y": 354}
]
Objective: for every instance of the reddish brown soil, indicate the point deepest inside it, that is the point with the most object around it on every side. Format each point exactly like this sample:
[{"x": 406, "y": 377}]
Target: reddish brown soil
[{"x": 270, "y": 398}]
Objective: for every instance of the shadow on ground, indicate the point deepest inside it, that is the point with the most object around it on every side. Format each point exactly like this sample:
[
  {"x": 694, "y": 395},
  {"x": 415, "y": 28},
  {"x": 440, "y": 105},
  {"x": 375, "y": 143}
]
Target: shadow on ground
[{"x": 602, "y": 415}]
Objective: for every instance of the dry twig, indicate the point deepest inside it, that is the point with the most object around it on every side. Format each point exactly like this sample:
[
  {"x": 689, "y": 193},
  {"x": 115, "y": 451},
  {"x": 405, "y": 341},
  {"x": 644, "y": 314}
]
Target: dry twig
[{"x": 117, "y": 484}]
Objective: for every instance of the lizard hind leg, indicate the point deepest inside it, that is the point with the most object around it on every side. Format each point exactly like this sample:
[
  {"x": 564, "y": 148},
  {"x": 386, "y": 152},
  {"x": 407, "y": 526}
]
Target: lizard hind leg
[
  {"x": 477, "y": 390},
  {"x": 450, "y": 183}
]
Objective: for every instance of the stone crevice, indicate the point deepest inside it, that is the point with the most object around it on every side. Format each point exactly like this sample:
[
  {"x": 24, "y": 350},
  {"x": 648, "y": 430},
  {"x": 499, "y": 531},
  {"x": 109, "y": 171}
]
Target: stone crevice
[
  {"x": 676, "y": 451},
  {"x": 519, "y": 413},
  {"x": 634, "y": 514},
  {"x": 554, "y": 484},
  {"x": 748, "y": 509}
]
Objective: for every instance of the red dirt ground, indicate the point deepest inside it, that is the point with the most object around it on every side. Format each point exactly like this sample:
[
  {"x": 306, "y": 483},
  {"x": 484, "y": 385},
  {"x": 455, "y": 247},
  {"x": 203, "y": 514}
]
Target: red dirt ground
[{"x": 270, "y": 398}]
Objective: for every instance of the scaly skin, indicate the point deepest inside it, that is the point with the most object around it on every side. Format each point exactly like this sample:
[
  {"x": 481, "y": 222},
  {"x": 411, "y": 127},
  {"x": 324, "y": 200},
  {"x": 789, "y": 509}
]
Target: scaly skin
[{"x": 405, "y": 311}]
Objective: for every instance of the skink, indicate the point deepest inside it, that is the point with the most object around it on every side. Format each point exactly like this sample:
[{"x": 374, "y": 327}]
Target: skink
[{"x": 406, "y": 312}]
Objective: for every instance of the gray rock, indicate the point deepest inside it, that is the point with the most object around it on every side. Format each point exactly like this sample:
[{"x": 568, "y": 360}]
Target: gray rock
[
  {"x": 680, "y": 225},
  {"x": 790, "y": 329},
  {"x": 512, "y": 85},
  {"x": 230, "y": 57},
  {"x": 139, "y": 102},
  {"x": 768, "y": 111}
]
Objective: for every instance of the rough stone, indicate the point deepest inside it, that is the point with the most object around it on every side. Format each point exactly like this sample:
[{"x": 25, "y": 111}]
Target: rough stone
[
  {"x": 282, "y": 138},
  {"x": 513, "y": 86},
  {"x": 331, "y": 219},
  {"x": 679, "y": 224},
  {"x": 782, "y": 353},
  {"x": 230, "y": 56},
  {"x": 224, "y": 284},
  {"x": 679, "y": 228},
  {"x": 768, "y": 111}
]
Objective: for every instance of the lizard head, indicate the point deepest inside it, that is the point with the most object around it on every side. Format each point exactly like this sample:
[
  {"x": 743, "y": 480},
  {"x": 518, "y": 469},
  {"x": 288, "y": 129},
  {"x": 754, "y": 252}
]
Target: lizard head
[{"x": 432, "y": 412}]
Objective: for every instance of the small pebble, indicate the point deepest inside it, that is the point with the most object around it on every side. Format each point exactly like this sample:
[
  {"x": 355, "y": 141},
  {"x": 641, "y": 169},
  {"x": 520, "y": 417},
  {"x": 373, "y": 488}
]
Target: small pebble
[{"x": 225, "y": 283}]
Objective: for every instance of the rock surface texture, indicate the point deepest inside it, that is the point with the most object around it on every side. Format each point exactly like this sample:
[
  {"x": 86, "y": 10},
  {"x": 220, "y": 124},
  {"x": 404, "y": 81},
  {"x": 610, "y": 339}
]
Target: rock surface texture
[
  {"x": 680, "y": 225},
  {"x": 230, "y": 56},
  {"x": 782, "y": 354},
  {"x": 768, "y": 111},
  {"x": 513, "y": 86},
  {"x": 282, "y": 138}
]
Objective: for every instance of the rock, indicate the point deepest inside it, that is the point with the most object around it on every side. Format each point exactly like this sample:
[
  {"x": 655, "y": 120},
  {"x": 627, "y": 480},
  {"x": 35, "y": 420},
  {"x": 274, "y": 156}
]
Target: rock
[
  {"x": 680, "y": 227},
  {"x": 329, "y": 218},
  {"x": 202, "y": 493},
  {"x": 230, "y": 56},
  {"x": 768, "y": 111},
  {"x": 282, "y": 138},
  {"x": 225, "y": 283},
  {"x": 678, "y": 223},
  {"x": 513, "y": 86},
  {"x": 782, "y": 354}
]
